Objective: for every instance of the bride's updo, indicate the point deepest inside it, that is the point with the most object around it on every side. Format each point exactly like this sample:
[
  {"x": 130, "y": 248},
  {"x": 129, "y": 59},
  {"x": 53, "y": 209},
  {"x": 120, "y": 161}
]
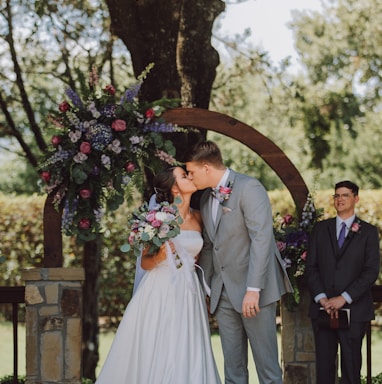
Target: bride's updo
[{"x": 163, "y": 183}]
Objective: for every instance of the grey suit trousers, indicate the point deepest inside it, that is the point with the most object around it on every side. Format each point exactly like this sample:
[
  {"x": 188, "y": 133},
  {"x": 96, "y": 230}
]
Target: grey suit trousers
[{"x": 236, "y": 331}]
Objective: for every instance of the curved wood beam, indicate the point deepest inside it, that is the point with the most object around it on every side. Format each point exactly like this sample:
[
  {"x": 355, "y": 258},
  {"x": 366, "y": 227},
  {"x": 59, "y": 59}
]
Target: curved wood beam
[
  {"x": 203, "y": 119},
  {"x": 247, "y": 135}
]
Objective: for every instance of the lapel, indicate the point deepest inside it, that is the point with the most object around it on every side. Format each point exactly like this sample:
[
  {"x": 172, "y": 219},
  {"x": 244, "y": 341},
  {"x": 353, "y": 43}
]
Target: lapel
[
  {"x": 230, "y": 181},
  {"x": 333, "y": 235},
  {"x": 206, "y": 211}
]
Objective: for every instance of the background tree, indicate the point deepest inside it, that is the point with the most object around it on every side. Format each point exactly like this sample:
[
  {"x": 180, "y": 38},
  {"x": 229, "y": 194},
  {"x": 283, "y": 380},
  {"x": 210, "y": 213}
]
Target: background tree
[
  {"x": 340, "y": 99},
  {"x": 317, "y": 117},
  {"x": 169, "y": 41}
]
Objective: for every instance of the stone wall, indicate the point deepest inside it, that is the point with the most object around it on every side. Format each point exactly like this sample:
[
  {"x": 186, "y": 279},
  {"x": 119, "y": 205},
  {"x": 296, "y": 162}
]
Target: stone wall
[
  {"x": 53, "y": 299},
  {"x": 298, "y": 353}
]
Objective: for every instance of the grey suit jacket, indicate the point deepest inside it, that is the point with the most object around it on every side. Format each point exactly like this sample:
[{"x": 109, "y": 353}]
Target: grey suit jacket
[
  {"x": 239, "y": 249},
  {"x": 353, "y": 268}
]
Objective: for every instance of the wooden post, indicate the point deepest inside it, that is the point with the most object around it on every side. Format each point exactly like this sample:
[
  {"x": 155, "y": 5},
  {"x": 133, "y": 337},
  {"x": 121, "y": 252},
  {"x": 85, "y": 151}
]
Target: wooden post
[
  {"x": 53, "y": 257},
  {"x": 247, "y": 135}
]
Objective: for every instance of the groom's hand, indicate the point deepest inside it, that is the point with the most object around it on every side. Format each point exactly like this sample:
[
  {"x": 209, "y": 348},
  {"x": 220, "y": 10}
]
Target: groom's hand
[{"x": 250, "y": 306}]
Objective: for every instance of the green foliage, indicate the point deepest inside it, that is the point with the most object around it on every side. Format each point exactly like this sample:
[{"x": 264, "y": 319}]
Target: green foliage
[
  {"x": 374, "y": 380},
  {"x": 101, "y": 145},
  {"x": 9, "y": 380},
  {"x": 21, "y": 242}
]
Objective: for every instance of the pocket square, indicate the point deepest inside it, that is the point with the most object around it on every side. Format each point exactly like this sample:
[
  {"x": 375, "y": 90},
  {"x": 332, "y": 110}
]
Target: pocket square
[{"x": 226, "y": 209}]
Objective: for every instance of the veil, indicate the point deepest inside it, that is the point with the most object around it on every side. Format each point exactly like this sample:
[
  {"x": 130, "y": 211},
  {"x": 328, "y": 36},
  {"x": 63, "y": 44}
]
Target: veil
[{"x": 139, "y": 271}]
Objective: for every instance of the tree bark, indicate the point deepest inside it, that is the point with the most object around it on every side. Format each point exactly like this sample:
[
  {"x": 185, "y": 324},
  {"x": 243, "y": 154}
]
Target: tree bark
[
  {"x": 92, "y": 266},
  {"x": 175, "y": 36}
]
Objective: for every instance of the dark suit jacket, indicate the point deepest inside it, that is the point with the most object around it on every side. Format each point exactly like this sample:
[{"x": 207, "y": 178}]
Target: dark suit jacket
[{"x": 353, "y": 268}]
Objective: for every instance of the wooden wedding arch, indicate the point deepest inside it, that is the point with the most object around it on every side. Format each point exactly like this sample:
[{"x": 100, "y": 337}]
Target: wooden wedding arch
[
  {"x": 203, "y": 119},
  {"x": 264, "y": 147}
]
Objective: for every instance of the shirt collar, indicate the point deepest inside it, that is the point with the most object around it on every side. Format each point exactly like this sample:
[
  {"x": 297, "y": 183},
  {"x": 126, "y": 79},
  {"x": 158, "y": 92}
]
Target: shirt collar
[
  {"x": 223, "y": 180},
  {"x": 348, "y": 221}
]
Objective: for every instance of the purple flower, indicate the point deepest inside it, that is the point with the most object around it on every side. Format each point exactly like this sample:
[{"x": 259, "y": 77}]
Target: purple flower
[
  {"x": 158, "y": 127},
  {"x": 131, "y": 93},
  {"x": 296, "y": 239},
  {"x": 75, "y": 99}
]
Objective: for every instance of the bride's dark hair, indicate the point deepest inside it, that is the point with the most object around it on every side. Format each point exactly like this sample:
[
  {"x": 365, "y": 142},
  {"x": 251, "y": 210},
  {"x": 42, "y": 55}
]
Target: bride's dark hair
[{"x": 163, "y": 183}]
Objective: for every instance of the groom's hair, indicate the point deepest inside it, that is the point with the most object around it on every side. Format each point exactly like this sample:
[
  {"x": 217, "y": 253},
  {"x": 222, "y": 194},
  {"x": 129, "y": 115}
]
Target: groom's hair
[
  {"x": 205, "y": 152},
  {"x": 349, "y": 185}
]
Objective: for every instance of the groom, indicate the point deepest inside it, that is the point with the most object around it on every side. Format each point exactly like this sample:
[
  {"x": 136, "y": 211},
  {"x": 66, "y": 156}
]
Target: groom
[{"x": 241, "y": 262}]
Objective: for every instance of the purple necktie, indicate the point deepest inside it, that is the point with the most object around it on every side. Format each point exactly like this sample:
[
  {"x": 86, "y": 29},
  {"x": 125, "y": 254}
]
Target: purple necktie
[{"x": 341, "y": 237}]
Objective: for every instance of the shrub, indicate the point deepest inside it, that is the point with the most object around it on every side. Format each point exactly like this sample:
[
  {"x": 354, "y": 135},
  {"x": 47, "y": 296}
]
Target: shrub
[{"x": 21, "y": 244}]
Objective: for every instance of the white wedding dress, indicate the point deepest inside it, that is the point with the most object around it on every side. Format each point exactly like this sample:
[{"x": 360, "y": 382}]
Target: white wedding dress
[{"x": 164, "y": 335}]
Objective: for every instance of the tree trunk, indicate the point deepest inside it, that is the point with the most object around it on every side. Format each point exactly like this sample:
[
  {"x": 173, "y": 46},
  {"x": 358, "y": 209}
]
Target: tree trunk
[
  {"x": 177, "y": 39},
  {"x": 92, "y": 266}
]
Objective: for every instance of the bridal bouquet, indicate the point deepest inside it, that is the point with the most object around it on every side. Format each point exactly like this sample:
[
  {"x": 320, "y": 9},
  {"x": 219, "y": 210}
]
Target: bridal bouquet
[{"x": 152, "y": 227}]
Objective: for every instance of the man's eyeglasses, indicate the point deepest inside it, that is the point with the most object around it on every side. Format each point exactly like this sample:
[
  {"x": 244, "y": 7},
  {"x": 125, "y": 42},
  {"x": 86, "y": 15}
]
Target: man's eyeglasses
[{"x": 344, "y": 196}]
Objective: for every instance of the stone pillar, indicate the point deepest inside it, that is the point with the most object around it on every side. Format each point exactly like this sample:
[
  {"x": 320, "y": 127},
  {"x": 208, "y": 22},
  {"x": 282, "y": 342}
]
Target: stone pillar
[
  {"x": 53, "y": 299},
  {"x": 297, "y": 342}
]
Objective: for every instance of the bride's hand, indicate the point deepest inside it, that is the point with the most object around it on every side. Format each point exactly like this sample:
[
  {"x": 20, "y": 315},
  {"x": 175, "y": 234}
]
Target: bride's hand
[
  {"x": 161, "y": 254},
  {"x": 149, "y": 261}
]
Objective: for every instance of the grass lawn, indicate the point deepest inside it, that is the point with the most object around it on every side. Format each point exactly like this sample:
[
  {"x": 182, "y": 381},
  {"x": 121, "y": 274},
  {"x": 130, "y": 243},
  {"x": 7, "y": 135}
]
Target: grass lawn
[{"x": 6, "y": 352}]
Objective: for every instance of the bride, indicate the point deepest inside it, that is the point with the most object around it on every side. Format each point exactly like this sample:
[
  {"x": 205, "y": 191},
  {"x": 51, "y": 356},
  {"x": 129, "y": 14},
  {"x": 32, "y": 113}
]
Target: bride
[{"x": 164, "y": 336}]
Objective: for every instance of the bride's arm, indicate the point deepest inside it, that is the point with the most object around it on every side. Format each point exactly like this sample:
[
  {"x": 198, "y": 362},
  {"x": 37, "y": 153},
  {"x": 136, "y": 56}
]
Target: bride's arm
[{"x": 149, "y": 261}]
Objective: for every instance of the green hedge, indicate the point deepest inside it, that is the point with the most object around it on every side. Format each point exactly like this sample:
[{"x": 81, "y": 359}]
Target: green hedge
[{"x": 21, "y": 241}]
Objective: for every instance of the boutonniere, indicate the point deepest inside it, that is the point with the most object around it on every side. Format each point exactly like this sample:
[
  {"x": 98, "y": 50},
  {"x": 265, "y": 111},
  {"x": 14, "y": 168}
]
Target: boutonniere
[
  {"x": 356, "y": 227},
  {"x": 223, "y": 192}
]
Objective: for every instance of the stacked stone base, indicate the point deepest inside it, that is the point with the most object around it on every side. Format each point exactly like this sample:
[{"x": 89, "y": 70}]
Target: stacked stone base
[
  {"x": 53, "y": 298},
  {"x": 298, "y": 351}
]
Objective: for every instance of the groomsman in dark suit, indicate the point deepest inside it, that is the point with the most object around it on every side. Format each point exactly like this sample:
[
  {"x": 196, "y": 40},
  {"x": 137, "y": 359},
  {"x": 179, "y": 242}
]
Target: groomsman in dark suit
[{"x": 342, "y": 264}]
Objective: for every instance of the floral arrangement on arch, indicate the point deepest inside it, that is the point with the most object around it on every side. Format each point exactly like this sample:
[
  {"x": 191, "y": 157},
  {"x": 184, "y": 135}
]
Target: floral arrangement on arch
[
  {"x": 99, "y": 149},
  {"x": 292, "y": 238}
]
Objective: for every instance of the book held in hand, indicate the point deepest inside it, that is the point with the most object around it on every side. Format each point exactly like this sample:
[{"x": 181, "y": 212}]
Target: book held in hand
[{"x": 342, "y": 322}]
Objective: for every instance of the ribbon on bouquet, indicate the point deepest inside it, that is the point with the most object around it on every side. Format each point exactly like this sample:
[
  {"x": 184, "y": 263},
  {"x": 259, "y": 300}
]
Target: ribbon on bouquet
[{"x": 188, "y": 264}]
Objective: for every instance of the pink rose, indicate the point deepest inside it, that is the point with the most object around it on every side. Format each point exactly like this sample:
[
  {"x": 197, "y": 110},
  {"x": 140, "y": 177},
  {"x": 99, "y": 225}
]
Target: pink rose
[
  {"x": 56, "y": 140},
  {"x": 156, "y": 223},
  {"x": 45, "y": 175},
  {"x": 85, "y": 193},
  {"x": 150, "y": 113},
  {"x": 85, "y": 147},
  {"x": 288, "y": 219},
  {"x": 150, "y": 216},
  {"x": 303, "y": 256},
  {"x": 281, "y": 245},
  {"x": 355, "y": 227},
  {"x": 225, "y": 190},
  {"x": 64, "y": 107},
  {"x": 119, "y": 125},
  {"x": 110, "y": 89},
  {"x": 84, "y": 223},
  {"x": 130, "y": 167}
]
